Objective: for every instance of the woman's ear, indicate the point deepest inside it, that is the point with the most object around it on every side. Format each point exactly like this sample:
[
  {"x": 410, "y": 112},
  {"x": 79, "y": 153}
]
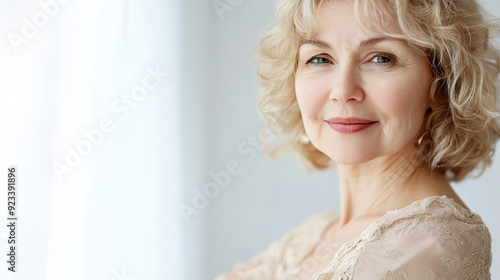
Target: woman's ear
[
  {"x": 429, "y": 110},
  {"x": 431, "y": 106}
]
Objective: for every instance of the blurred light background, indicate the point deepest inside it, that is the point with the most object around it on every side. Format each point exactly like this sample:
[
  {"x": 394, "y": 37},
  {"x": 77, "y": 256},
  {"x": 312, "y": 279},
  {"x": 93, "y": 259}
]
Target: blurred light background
[{"x": 118, "y": 114}]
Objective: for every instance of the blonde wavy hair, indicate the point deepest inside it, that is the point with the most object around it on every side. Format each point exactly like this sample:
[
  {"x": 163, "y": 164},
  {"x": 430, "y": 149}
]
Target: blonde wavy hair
[{"x": 455, "y": 36}]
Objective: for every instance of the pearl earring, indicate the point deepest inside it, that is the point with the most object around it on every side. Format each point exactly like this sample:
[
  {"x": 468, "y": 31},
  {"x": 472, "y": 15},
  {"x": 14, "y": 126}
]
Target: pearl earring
[
  {"x": 304, "y": 139},
  {"x": 421, "y": 138}
]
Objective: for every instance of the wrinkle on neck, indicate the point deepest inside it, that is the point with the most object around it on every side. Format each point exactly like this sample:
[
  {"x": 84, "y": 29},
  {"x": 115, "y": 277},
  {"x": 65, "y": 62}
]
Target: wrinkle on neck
[{"x": 380, "y": 185}]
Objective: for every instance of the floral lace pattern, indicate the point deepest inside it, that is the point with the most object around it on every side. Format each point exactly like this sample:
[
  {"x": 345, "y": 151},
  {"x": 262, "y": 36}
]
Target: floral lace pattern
[{"x": 431, "y": 239}]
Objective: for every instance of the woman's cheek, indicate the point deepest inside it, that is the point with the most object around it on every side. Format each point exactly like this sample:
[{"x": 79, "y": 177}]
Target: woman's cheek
[
  {"x": 405, "y": 95},
  {"x": 395, "y": 102},
  {"x": 402, "y": 111},
  {"x": 311, "y": 96}
]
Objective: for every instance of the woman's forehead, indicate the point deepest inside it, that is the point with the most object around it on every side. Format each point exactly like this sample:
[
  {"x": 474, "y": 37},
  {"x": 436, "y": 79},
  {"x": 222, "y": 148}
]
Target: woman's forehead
[
  {"x": 375, "y": 16},
  {"x": 341, "y": 20}
]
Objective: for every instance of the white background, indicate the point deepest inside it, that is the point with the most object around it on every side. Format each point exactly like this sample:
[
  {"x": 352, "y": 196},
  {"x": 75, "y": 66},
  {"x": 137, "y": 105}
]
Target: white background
[{"x": 116, "y": 215}]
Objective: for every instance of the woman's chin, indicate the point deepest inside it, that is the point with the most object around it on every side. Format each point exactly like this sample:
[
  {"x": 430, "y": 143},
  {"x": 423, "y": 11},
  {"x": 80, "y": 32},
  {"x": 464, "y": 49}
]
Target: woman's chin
[{"x": 350, "y": 159}]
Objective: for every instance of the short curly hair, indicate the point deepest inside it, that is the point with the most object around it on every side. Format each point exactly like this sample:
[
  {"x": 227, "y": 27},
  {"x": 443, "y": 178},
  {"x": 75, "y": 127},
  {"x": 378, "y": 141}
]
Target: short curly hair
[{"x": 454, "y": 35}]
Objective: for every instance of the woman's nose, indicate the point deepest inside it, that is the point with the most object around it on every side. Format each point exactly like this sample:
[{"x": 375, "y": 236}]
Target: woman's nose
[{"x": 346, "y": 85}]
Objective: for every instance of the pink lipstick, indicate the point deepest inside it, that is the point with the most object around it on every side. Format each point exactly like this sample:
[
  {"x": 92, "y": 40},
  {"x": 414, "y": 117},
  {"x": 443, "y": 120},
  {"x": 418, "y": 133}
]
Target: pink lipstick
[{"x": 349, "y": 125}]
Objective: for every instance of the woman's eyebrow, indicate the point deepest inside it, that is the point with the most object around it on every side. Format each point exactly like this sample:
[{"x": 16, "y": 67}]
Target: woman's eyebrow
[
  {"x": 375, "y": 40},
  {"x": 362, "y": 44},
  {"x": 317, "y": 43}
]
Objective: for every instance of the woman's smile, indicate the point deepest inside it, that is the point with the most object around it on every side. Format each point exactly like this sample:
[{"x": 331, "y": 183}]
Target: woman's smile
[{"x": 349, "y": 125}]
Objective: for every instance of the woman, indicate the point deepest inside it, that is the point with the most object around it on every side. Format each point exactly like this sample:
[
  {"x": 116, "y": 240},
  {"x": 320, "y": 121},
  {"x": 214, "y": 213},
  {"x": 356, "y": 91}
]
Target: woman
[{"x": 401, "y": 96}]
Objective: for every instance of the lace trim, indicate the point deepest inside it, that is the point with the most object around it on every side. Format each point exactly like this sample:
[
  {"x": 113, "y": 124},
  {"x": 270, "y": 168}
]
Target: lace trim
[{"x": 426, "y": 216}]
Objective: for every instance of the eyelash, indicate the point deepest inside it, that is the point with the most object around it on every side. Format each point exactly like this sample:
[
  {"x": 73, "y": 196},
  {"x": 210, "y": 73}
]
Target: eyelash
[{"x": 392, "y": 59}]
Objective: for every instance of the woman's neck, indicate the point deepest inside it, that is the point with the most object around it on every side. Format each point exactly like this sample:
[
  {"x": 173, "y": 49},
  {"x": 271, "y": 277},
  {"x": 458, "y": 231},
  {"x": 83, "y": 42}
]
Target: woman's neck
[{"x": 371, "y": 189}]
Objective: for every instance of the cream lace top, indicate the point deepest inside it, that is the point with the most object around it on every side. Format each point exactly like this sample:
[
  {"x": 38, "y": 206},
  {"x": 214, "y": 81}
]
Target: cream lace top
[{"x": 431, "y": 239}]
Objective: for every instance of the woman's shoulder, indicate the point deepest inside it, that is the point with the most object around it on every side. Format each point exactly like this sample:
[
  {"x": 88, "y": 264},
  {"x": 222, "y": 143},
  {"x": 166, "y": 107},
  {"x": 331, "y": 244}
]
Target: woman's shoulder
[
  {"x": 436, "y": 215},
  {"x": 301, "y": 239},
  {"x": 433, "y": 237}
]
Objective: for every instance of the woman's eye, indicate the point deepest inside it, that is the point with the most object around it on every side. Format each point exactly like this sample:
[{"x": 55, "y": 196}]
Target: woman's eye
[
  {"x": 382, "y": 59},
  {"x": 318, "y": 60}
]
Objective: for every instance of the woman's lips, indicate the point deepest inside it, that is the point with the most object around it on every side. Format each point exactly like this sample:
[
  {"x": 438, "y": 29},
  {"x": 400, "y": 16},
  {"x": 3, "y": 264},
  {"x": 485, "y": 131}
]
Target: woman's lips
[{"x": 349, "y": 125}]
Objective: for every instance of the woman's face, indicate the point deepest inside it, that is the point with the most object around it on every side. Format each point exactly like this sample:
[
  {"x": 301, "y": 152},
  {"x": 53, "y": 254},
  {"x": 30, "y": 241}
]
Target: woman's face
[{"x": 361, "y": 95}]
